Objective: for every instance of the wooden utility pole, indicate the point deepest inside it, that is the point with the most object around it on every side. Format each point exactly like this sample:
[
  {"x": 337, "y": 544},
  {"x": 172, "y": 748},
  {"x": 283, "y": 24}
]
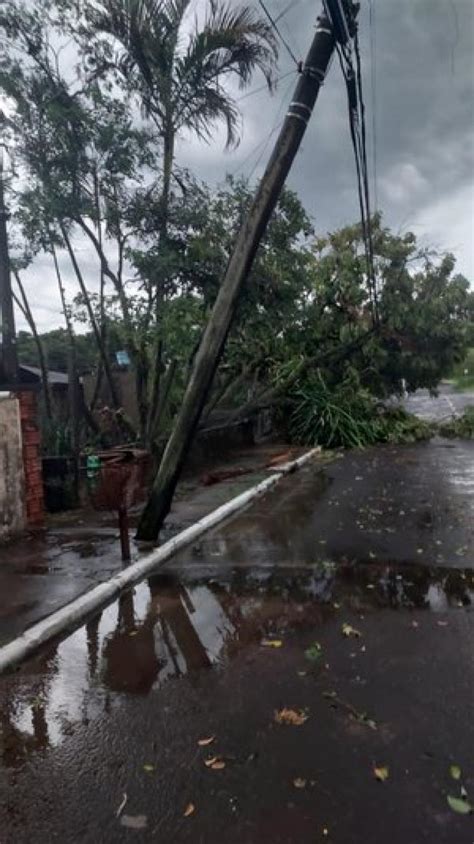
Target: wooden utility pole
[
  {"x": 8, "y": 355},
  {"x": 213, "y": 340}
]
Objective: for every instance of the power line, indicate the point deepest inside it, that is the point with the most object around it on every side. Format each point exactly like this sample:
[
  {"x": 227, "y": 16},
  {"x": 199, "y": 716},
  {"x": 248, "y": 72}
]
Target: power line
[
  {"x": 265, "y": 86},
  {"x": 264, "y": 142},
  {"x": 274, "y": 128},
  {"x": 373, "y": 87},
  {"x": 353, "y": 80},
  {"x": 275, "y": 27}
]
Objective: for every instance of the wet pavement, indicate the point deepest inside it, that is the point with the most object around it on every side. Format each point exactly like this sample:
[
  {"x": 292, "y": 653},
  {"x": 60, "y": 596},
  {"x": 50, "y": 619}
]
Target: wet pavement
[
  {"x": 112, "y": 716},
  {"x": 449, "y": 402},
  {"x": 345, "y": 597},
  {"x": 45, "y": 570}
]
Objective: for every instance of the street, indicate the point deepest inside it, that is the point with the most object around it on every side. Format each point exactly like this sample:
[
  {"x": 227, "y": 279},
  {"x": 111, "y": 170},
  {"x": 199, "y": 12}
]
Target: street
[{"x": 343, "y": 598}]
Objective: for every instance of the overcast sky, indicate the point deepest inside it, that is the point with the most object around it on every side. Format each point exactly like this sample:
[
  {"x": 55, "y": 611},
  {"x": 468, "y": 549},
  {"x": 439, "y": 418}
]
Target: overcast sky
[{"x": 422, "y": 106}]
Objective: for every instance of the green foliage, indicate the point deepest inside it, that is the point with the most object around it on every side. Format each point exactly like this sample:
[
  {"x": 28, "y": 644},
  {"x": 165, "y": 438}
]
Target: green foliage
[
  {"x": 463, "y": 373},
  {"x": 347, "y": 416},
  {"x": 56, "y": 439},
  {"x": 460, "y": 426},
  {"x": 55, "y": 344}
]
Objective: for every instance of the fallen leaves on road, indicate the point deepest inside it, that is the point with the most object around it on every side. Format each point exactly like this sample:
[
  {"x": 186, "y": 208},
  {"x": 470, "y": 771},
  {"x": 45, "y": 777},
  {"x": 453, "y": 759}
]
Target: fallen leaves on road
[
  {"x": 455, "y": 772},
  {"x": 360, "y": 717},
  {"x": 348, "y": 630},
  {"x": 381, "y": 773},
  {"x": 271, "y": 643},
  {"x": 292, "y": 717},
  {"x": 149, "y": 768},
  {"x": 314, "y": 652},
  {"x": 204, "y": 742},
  {"x": 134, "y": 821},
  {"x": 442, "y": 623},
  {"x": 459, "y": 805},
  {"x": 215, "y": 763},
  {"x": 298, "y": 782},
  {"x": 219, "y": 765},
  {"x": 189, "y": 810}
]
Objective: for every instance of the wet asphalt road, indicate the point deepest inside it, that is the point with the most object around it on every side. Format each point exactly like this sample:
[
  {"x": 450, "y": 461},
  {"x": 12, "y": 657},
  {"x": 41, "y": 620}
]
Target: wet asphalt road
[{"x": 102, "y": 728}]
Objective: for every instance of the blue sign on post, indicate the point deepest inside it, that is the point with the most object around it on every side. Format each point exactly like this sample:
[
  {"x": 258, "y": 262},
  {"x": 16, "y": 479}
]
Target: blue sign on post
[{"x": 122, "y": 358}]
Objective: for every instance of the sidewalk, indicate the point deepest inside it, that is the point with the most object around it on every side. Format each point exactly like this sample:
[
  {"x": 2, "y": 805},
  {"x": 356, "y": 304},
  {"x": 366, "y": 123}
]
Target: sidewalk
[{"x": 44, "y": 571}]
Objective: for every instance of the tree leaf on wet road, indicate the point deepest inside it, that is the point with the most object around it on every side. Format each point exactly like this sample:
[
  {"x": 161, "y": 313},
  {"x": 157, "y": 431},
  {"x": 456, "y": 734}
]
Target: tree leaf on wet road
[
  {"x": 381, "y": 773},
  {"x": 218, "y": 765},
  {"x": 210, "y": 761},
  {"x": 271, "y": 643},
  {"x": 189, "y": 810},
  {"x": 459, "y": 805},
  {"x": 348, "y": 630},
  {"x": 134, "y": 821},
  {"x": 314, "y": 652},
  {"x": 149, "y": 768},
  {"x": 204, "y": 742},
  {"x": 290, "y": 716},
  {"x": 442, "y": 623},
  {"x": 298, "y": 782},
  {"x": 455, "y": 772}
]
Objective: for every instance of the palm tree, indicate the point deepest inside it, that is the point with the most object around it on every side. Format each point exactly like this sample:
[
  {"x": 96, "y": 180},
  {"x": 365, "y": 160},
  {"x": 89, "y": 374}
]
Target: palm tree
[{"x": 180, "y": 74}]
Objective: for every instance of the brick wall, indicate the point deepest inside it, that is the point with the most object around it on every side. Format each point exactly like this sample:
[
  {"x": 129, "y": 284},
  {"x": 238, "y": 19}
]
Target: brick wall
[{"x": 34, "y": 501}]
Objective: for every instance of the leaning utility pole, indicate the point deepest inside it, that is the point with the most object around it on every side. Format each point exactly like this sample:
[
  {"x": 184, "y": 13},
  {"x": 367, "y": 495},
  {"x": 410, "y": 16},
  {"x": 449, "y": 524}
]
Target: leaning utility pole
[
  {"x": 8, "y": 356},
  {"x": 213, "y": 340}
]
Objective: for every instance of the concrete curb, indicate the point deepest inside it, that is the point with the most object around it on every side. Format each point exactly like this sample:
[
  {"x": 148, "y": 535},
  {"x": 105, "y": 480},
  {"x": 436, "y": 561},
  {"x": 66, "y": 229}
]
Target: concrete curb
[{"x": 74, "y": 613}]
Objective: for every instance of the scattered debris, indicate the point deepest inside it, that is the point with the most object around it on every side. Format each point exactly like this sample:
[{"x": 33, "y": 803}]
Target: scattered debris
[
  {"x": 189, "y": 810},
  {"x": 149, "y": 768},
  {"x": 360, "y": 717},
  {"x": 460, "y": 805},
  {"x": 314, "y": 652},
  {"x": 215, "y": 763},
  {"x": 134, "y": 821},
  {"x": 455, "y": 772},
  {"x": 381, "y": 773},
  {"x": 122, "y": 805},
  {"x": 348, "y": 630},
  {"x": 205, "y": 742},
  {"x": 290, "y": 716},
  {"x": 298, "y": 782},
  {"x": 271, "y": 643}
]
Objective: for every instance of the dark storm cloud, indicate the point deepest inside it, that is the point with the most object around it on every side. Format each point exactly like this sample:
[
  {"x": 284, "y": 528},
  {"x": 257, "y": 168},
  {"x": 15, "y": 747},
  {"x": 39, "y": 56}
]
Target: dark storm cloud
[{"x": 424, "y": 71}]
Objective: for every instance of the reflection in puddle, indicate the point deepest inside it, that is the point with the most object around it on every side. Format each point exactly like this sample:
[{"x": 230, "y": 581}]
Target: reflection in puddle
[{"x": 170, "y": 626}]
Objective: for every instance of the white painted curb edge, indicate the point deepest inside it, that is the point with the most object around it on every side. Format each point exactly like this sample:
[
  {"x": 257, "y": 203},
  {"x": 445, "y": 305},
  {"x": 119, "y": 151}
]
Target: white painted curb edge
[{"x": 76, "y": 611}]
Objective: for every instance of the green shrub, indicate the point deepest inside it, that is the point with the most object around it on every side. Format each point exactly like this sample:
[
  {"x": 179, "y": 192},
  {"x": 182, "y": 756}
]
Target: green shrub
[
  {"x": 461, "y": 426},
  {"x": 347, "y": 416}
]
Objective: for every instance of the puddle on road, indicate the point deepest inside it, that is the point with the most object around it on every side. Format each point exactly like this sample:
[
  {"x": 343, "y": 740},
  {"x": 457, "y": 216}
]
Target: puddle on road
[{"x": 173, "y": 625}]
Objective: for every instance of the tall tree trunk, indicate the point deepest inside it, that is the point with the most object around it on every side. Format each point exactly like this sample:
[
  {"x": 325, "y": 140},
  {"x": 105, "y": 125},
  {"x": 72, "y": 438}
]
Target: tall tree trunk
[
  {"x": 168, "y": 159},
  {"x": 73, "y": 385},
  {"x": 95, "y": 328},
  {"x": 27, "y": 313}
]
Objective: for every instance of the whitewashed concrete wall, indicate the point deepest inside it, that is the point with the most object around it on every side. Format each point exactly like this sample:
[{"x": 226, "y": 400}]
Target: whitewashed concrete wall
[{"x": 12, "y": 511}]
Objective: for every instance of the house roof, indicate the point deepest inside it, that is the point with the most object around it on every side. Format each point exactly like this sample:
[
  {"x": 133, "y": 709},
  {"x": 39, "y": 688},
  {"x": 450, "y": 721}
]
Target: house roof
[{"x": 54, "y": 377}]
